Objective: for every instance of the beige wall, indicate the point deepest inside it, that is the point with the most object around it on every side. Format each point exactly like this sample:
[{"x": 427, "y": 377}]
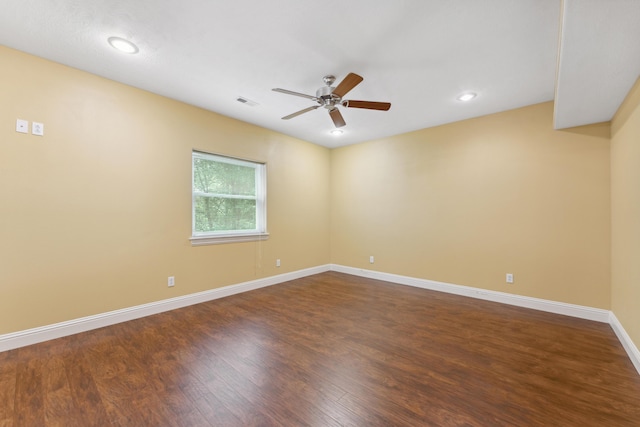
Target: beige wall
[
  {"x": 97, "y": 213},
  {"x": 625, "y": 214},
  {"x": 468, "y": 202}
]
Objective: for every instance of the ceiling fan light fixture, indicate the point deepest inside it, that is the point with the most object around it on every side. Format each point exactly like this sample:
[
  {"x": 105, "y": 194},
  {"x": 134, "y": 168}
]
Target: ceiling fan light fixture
[
  {"x": 336, "y": 132},
  {"x": 467, "y": 96},
  {"x": 123, "y": 45}
]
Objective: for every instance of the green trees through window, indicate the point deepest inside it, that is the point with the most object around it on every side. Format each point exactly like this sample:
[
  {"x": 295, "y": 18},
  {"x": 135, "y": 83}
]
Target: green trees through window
[{"x": 228, "y": 195}]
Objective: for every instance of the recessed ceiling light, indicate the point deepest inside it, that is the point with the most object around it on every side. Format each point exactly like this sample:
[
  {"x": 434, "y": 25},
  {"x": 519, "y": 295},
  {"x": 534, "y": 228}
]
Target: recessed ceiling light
[
  {"x": 466, "y": 96},
  {"x": 336, "y": 132},
  {"x": 122, "y": 45}
]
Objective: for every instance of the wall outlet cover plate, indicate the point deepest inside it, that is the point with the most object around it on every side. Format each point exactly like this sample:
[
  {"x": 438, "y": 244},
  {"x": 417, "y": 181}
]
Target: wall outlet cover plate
[
  {"x": 37, "y": 128},
  {"x": 22, "y": 126}
]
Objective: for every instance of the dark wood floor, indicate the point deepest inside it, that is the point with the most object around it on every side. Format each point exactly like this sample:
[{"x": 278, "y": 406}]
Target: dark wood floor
[{"x": 328, "y": 350}]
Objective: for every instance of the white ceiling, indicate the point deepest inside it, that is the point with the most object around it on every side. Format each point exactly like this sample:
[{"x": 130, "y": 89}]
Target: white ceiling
[
  {"x": 599, "y": 59},
  {"x": 417, "y": 54}
]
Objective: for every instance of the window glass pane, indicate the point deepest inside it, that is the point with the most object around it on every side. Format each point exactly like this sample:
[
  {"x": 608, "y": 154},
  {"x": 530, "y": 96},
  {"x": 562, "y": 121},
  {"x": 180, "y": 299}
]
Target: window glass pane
[
  {"x": 223, "y": 178},
  {"x": 220, "y": 214}
]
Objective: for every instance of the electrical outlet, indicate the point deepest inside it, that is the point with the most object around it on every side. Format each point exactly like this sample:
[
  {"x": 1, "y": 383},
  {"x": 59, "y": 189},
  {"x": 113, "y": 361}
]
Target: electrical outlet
[
  {"x": 509, "y": 278},
  {"x": 371, "y": 259},
  {"x": 278, "y": 262},
  {"x": 171, "y": 281}
]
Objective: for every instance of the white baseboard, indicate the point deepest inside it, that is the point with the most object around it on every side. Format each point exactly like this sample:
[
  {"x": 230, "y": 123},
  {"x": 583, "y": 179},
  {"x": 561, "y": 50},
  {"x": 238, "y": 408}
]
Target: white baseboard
[
  {"x": 625, "y": 340},
  {"x": 58, "y": 330},
  {"x": 582, "y": 312}
]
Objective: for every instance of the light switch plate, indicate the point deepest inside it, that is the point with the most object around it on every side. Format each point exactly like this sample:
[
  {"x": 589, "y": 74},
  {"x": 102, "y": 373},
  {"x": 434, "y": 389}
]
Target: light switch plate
[
  {"x": 22, "y": 126},
  {"x": 37, "y": 128}
]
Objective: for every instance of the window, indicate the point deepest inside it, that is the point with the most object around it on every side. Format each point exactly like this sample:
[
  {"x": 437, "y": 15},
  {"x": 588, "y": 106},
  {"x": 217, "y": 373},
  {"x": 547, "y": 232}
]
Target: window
[{"x": 229, "y": 200}]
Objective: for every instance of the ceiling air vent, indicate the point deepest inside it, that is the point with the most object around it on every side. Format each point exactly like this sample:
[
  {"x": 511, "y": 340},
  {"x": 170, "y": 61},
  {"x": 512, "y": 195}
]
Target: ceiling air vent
[{"x": 246, "y": 101}]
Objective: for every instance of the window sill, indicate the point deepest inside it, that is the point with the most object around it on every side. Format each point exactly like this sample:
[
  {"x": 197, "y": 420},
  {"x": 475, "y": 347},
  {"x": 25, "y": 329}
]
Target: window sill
[{"x": 227, "y": 238}]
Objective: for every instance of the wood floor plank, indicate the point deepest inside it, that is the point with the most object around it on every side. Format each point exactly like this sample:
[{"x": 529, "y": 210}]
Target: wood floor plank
[
  {"x": 328, "y": 350},
  {"x": 86, "y": 397},
  {"x": 215, "y": 412},
  {"x": 29, "y": 394},
  {"x": 58, "y": 400},
  {"x": 8, "y": 374}
]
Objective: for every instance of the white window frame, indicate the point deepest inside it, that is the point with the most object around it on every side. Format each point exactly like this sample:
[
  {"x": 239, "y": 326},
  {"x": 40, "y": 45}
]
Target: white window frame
[{"x": 230, "y": 236}]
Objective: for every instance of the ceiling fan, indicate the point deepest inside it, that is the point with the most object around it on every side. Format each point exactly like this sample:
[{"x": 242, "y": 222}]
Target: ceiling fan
[{"x": 330, "y": 97}]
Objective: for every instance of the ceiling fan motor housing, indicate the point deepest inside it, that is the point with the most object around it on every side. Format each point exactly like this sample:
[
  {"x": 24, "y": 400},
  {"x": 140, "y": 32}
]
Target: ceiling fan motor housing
[{"x": 326, "y": 98}]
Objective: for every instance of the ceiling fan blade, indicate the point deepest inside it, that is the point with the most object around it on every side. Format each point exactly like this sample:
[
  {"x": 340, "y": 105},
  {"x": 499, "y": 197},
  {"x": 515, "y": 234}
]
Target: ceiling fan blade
[
  {"x": 369, "y": 105},
  {"x": 290, "y": 92},
  {"x": 348, "y": 83},
  {"x": 337, "y": 118},
  {"x": 297, "y": 113}
]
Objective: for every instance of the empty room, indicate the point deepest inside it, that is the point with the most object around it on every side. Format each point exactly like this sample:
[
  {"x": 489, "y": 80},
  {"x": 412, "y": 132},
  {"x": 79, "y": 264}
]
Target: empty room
[{"x": 287, "y": 213}]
